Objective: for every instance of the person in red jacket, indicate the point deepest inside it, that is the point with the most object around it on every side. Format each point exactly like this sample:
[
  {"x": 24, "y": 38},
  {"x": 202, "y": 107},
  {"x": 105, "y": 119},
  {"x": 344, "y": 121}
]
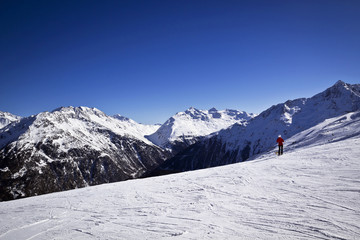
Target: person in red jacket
[{"x": 280, "y": 144}]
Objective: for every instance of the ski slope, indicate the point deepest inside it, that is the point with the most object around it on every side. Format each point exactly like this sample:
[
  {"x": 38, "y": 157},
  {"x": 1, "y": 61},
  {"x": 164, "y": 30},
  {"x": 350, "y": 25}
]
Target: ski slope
[{"x": 310, "y": 193}]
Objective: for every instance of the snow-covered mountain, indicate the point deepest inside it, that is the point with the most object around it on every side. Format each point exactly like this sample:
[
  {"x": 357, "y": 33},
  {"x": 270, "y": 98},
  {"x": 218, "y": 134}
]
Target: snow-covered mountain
[
  {"x": 138, "y": 128},
  {"x": 185, "y": 128},
  {"x": 69, "y": 148},
  {"x": 238, "y": 143},
  {"x": 75, "y": 147},
  {"x": 311, "y": 192},
  {"x": 7, "y": 118},
  {"x": 331, "y": 130}
]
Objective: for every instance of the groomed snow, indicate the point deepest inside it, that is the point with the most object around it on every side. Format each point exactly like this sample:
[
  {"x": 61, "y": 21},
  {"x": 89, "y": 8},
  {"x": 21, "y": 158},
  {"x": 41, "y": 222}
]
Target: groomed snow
[{"x": 309, "y": 193}]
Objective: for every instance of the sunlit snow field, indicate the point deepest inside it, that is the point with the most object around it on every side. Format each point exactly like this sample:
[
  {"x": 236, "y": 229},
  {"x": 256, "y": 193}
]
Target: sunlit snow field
[{"x": 309, "y": 193}]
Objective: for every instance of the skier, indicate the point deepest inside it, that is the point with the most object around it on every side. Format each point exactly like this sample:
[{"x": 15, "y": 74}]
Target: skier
[{"x": 280, "y": 144}]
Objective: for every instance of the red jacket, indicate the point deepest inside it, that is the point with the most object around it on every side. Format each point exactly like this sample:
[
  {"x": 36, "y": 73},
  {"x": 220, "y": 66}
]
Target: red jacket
[{"x": 280, "y": 141}]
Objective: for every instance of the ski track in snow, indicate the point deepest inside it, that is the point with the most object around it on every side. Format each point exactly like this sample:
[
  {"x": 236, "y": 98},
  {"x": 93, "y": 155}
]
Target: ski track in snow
[{"x": 309, "y": 193}]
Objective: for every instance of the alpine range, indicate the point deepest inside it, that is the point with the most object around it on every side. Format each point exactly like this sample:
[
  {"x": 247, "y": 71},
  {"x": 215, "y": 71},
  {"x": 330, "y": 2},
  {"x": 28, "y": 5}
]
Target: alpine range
[{"x": 229, "y": 183}]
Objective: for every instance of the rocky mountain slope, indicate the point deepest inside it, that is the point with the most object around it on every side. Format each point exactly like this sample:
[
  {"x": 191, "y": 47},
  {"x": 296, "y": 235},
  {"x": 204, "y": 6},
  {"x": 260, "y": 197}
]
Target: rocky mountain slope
[
  {"x": 238, "y": 143},
  {"x": 70, "y": 148}
]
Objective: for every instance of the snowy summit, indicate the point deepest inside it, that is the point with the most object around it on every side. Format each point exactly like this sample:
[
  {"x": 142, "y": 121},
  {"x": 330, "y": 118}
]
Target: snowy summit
[
  {"x": 7, "y": 118},
  {"x": 71, "y": 147},
  {"x": 193, "y": 123},
  {"x": 239, "y": 142}
]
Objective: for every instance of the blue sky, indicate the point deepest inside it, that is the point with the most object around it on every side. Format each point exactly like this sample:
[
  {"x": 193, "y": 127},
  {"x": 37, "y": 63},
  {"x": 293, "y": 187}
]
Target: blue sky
[{"x": 148, "y": 60}]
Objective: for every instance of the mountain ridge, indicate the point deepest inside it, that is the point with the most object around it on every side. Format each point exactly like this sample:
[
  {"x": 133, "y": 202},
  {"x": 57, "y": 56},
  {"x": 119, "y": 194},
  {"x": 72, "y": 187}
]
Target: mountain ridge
[
  {"x": 185, "y": 128},
  {"x": 70, "y": 148},
  {"x": 237, "y": 143},
  {"x": 81, "y": 146},
  {"x": 7, "y": 118}
]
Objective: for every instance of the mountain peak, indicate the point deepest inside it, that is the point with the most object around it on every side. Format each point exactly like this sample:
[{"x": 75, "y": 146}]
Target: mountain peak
[
  {"x": 7, "y": 118},
  {"x": 77, "y": 109},
  {"x": 341, "y": 90},
  {"x": 88, "y": 147},
  {"x": 78, "y": 112},
  {"x": 192, "y": 109},
  {"x": 345, "y": 86},
  {"x": 185, "y": 127},
  {"x": 340, "y": 82}
]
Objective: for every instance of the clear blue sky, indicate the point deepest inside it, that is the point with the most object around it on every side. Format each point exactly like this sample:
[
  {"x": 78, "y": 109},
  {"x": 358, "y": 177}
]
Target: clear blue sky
[{"x": 148, "y": 59}]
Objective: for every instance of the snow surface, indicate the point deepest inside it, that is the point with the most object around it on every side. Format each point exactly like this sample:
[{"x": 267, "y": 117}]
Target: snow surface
[
  {"x": 311, "y": 192},
  {"x": 330, "y": 130}
]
